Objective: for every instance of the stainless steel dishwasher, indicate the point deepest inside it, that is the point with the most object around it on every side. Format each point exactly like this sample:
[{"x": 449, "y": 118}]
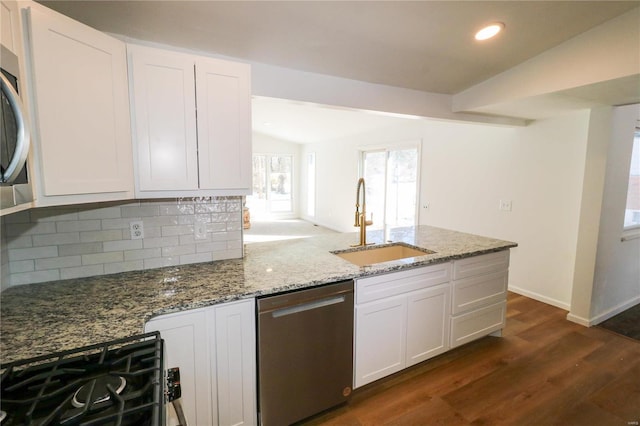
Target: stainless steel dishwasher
[{"x": 305, "y": 352}]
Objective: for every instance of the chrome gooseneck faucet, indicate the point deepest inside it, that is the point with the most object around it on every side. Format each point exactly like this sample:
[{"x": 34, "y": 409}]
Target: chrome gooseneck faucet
[{"x": 361, "y": 220}]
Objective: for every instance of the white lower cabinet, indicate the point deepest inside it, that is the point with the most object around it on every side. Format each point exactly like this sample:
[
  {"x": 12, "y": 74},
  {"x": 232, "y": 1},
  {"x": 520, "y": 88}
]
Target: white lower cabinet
[
  {"x": 428, "y": 323},
  {"x": 477, "y": 323},
  {"x": 214, "y": 348},
  {"x": 400, "y": 328},
  {"x": 234, "y": 362},
  {"x": 479, "y": 294},
  {"x": 380, "y": 347},
  {"x": 406, "y": 317}
]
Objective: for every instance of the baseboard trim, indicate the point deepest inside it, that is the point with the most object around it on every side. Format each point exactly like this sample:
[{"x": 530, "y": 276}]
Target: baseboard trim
[
  {"x": 540, "y": 298},
  {"x": 578, "y": 320},
  {"x": 615, "y": 310},
  {"x": 320, "y": 223}
]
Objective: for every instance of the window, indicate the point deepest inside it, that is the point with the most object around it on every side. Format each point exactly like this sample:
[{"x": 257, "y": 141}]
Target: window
[
  {"x": 391, "y": 177},
  {"x": 272, "y": 186},
  {"x": 632, "y": 212}
]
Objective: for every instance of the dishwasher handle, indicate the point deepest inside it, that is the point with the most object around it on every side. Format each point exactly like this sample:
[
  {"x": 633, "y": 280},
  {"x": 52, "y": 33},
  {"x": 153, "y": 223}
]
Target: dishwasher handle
[{"x": 315, "y": 304}]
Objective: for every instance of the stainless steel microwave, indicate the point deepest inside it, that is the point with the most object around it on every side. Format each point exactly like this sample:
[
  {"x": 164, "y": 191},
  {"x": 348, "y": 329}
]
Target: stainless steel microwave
[{"x": 14, "y": 136}]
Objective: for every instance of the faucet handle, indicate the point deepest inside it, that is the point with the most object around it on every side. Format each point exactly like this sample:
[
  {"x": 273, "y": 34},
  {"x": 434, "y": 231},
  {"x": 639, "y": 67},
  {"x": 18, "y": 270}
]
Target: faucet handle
[{"x": 370, "y": 221}]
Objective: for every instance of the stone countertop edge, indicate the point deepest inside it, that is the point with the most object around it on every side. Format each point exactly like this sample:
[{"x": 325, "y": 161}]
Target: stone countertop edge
[{"x": 39, "y": 319}]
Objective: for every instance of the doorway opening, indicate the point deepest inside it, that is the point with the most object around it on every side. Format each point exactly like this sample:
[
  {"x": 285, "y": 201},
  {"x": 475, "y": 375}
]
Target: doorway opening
[{"x": 272, "y": 196}]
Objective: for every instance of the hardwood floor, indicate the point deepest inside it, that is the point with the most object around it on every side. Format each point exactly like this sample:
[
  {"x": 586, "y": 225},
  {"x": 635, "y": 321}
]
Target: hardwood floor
[{"x": 545, "y": 370}]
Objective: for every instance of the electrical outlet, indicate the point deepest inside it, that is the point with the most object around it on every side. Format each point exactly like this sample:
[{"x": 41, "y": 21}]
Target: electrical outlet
[
  {"x": 505, "y": 205},
  {"x": 137, "y": 230}
]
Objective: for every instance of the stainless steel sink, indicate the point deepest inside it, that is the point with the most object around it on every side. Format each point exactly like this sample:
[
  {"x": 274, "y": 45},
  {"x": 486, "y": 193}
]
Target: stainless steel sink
[{"x": 372, "y": 255}]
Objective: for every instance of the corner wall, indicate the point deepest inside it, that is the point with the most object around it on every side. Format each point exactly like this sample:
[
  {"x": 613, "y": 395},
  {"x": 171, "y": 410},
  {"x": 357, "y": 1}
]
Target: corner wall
[
  {"x": 469, "y": 169},
  {"x": 616, "y": 284}
]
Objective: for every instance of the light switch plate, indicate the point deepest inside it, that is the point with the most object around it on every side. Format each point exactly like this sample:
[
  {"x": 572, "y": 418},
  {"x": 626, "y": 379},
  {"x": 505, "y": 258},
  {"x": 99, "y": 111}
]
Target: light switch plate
[{"x": 505, "y": 205}]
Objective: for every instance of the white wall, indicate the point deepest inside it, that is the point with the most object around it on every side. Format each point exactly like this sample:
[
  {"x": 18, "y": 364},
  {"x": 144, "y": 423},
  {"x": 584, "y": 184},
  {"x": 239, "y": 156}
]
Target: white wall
[
  {"x": 466, "y": 169},
  {"x": 588, "y": 218},
  {"x": 617, "y": 268}
]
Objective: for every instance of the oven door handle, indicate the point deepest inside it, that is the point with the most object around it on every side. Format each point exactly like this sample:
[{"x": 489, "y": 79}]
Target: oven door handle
[{"x": 19, "y": 157}]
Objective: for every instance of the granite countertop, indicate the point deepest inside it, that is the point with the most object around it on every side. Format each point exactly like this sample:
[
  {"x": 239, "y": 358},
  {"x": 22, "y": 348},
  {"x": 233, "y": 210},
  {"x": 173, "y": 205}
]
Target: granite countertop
[{"x": 39, "y": 319}]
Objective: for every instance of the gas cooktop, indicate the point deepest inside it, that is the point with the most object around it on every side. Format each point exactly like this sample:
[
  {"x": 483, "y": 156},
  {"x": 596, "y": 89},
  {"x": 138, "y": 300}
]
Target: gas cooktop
[{"x": 113, "y": 383}]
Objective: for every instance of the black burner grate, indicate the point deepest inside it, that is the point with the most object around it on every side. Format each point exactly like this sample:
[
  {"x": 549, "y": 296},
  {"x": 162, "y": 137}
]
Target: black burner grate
[{"x": 113, "y": 383}]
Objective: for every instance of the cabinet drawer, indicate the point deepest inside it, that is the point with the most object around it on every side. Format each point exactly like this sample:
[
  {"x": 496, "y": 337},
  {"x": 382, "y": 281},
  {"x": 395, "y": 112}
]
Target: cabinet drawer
[
  {"x": 475, "y": 292},
  {"x": 381, "y": 286},
  {"x": 478, "y": 265},
  {"x": 478, "y": 323}
]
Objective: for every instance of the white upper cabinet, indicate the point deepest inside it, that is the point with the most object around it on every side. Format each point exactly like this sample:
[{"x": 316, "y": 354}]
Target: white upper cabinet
[
  {"x": 224, "y": 125},
  {"x": 192, "y": 124},
  {"x": 10, "y": 27},
  {"x": 164, "y": 100},
  {"x": 79, "y": 94}
]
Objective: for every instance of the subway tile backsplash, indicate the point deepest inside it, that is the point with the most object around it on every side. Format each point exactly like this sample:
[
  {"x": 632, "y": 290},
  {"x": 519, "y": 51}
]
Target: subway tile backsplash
[{"x": 54, "y": 243}]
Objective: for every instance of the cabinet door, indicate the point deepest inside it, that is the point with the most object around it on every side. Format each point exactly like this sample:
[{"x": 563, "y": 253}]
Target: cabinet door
[
  {"x": 427, "y": 323},
  {"x": 185, "y": 342},
  {"x": 380, "y": 336},
  {"x": 166, "y": 146},
  {"x": 83, "y": 132},
  {"x": 224, "y": 126},
  {"x": 10, "y": 27},
  {"x": 235, "y": 362}
]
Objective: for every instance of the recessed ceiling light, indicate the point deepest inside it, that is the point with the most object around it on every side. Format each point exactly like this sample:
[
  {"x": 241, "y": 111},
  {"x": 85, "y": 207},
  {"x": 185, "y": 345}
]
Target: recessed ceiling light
[{"x": 489, "y": 31}]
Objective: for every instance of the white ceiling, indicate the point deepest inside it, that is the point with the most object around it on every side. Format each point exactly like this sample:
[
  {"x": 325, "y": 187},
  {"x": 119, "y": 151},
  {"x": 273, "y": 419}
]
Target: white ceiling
[{"x": 422, "y": 45}]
